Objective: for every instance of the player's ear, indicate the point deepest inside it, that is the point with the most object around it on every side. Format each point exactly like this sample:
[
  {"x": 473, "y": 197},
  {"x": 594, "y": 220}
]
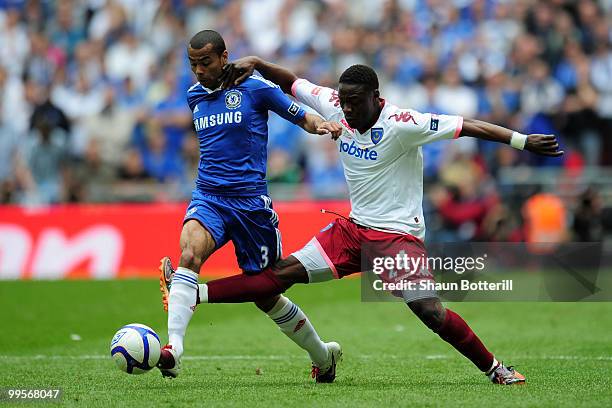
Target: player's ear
[
  {"x": 224, "y": 57},
  {"x": 376, "y": 94}
]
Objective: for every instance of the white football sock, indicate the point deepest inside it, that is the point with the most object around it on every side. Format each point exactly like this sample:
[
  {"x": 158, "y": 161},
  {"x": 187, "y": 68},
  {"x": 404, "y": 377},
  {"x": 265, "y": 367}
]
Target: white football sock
[
  {"x": 181, "y": 304},
  {"x": 294, "y": 323},
  {"x": 203, "y": 293},
  {"x": 493, "y": 367}
]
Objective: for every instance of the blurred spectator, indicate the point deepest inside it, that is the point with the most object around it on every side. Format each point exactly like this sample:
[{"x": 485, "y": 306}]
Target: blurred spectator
[
  {"x": 281, "y": 168},
  {"x": 15, "y": 177},
  {"x": 131, "y": 58},
  {"x": 167, "y": 29},
  {"x": 14, "y": 41},
  {"x": 324, "y": 171},
  {"x": 169, "y": 109},
  {"x": 87, "y": 61},
  {"x": 500, "y": 225},
  {"x": 162, "y": 164},
  {"x": 13, "y": 106},
  {"x": 104, "y": 81},
  {"x": 90, "y": 177},
  {"x": 453, "y": 97},
  {"x": 499, "y": 31},
  {"x": 132, "y": 167},
  {"x": 540, "y": 93},
  {"x": 79, "y": 101},
  {"x": 260, "y": 19},
  {"x": 45, "y": 151},
  {"x": 545, "y": 220},
  {"x": 465, "y": 201},
  {"x": 110, "y": 144},
  {"x": 45, "y": 110},
  {"x": 44, "y": 59},
  {"x": 588, "y": 223},
  {"x": 190, "y": 157},
  {"x": 601, "y": 76},
  {"x": 579, "y": 119},
  {"x": 108, "y": 22},
  {"x": 499, "y": 99},
  {"x": 64, "y": 31}
]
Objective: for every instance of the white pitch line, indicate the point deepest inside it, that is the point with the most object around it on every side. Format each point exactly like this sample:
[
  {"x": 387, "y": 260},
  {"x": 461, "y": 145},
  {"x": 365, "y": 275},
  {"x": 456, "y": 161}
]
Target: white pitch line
[
  {"x": 104, "y": 357},
  {"x": 287, "y": 357},
  {"x": 598, "y": 358},
  {"x": 519, "y": 357}
]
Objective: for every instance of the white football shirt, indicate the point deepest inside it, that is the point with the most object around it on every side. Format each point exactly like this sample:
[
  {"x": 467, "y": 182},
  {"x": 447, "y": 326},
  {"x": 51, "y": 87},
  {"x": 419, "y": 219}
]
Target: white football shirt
[{"x": 383, "y": 166}]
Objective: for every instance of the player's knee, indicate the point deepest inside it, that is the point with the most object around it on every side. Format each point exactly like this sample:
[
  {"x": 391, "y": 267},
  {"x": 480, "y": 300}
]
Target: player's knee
[
  {"x": 290, "y": 271},
  {"x": 190, "y": 260},
  {"x": 265, "y": 305},
  {"x": 430, "y": 312}
]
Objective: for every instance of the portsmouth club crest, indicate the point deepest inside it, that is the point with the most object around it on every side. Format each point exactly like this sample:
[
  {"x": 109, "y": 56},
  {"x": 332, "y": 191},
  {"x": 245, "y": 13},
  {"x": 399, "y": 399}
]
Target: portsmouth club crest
[
  {"x": 376, "y": 134},
  {"x": 233, "y": 99}
]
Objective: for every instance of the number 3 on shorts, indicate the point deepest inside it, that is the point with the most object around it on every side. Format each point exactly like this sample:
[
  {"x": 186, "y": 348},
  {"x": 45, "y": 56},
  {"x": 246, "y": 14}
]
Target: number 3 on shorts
[{"x": 264, "y": 257}]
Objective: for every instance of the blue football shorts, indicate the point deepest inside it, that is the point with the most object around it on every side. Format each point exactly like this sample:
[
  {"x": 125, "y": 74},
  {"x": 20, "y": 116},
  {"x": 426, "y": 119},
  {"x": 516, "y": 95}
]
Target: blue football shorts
[{"x": 249, "y": 222}]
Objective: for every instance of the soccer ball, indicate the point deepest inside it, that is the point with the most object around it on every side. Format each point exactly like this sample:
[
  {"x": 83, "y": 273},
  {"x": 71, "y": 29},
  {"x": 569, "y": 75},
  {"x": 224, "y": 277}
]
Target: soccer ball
[{"x": 135, "y": 348}]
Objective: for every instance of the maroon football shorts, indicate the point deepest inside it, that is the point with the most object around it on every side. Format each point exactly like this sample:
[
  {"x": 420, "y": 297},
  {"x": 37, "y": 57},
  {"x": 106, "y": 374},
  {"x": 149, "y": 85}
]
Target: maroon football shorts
[{"x": 344, "y": 248}]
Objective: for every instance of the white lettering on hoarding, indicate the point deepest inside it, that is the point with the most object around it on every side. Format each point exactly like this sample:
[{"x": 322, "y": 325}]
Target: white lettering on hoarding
[
  {"x": 54, "y": 255},
  {"x": 15, "y": 247}
]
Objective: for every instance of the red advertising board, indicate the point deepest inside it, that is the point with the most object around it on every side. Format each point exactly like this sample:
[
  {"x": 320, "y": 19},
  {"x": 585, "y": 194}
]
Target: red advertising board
[{"x": 124, "y": 240}]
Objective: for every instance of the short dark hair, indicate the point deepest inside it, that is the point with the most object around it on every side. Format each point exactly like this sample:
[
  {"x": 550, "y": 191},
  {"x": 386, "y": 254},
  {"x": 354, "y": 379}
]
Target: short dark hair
[
  {"x": 360, "y": 75},
  {"x": 208, "y": 37}
]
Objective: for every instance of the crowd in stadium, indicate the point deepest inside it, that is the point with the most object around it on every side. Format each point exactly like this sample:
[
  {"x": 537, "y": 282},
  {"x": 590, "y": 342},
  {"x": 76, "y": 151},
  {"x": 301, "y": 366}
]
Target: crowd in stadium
[{"x": 92, "y": 92}]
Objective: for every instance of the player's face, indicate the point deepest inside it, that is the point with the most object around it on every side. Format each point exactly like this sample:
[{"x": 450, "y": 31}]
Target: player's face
[
  {"x": 207, "y": 65},
  {"x": 360, "y": 105}
]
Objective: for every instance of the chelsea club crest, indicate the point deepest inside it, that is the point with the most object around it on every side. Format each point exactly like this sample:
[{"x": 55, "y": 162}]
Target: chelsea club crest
[
  {"x": 233, "y": 99},
  {"x": 376, "y": 134}
]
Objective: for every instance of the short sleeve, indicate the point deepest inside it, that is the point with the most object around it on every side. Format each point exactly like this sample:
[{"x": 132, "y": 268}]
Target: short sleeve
[
  {"x": 192, "y": 96},
  {"x": 191, "y": 102},
  {"x": 273, "y": 98},
  {"x": 323, "y": 100},
  {"x": 417, "y": 129}
]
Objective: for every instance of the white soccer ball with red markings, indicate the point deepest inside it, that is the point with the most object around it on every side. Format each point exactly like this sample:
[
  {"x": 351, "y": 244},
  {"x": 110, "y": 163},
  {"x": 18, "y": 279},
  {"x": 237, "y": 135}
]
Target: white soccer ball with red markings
[{"x": 135, "y": 348}]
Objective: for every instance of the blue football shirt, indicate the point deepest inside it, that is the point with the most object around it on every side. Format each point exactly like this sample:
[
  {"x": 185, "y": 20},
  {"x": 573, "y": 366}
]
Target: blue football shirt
[{"x": 232, "y": 129}]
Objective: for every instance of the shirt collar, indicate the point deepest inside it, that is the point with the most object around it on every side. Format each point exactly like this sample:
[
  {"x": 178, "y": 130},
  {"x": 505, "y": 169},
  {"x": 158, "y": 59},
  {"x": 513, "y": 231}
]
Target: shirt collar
[{"x": 210, "y": 90}]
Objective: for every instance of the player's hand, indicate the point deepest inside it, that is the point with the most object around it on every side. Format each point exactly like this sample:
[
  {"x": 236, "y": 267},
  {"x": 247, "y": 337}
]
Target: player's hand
[
  {"x": 545, "y": 145},
  {"x": 235, "y": 72},
  {"x": 330, "y": 128}
]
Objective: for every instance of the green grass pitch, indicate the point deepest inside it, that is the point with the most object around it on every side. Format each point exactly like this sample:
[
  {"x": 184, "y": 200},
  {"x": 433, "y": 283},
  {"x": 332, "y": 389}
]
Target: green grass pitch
[{"x": 235, "y": 356}]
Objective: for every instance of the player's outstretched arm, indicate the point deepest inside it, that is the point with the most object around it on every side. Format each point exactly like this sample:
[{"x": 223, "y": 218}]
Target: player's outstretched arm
[
  {"x": 545, "y": 145},
  {"x": 319, "y": 126},
  {"x": 235, "y": 72}
]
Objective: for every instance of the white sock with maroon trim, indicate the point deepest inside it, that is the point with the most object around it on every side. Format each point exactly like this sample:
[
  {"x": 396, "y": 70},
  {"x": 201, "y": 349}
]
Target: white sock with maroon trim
[
  {"x": 294, "y": 323},
  {"x": 493, "y": 367}
]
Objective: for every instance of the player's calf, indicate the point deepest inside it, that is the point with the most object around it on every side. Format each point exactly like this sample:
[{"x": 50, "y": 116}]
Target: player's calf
[
  {"x": 190, "y": 260},
  {"x": 430, "y": 311},
  {"x": 455, "y": 331},
  {"x": 290, "y": 271},
  {"x": 252, "y": 288}
]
